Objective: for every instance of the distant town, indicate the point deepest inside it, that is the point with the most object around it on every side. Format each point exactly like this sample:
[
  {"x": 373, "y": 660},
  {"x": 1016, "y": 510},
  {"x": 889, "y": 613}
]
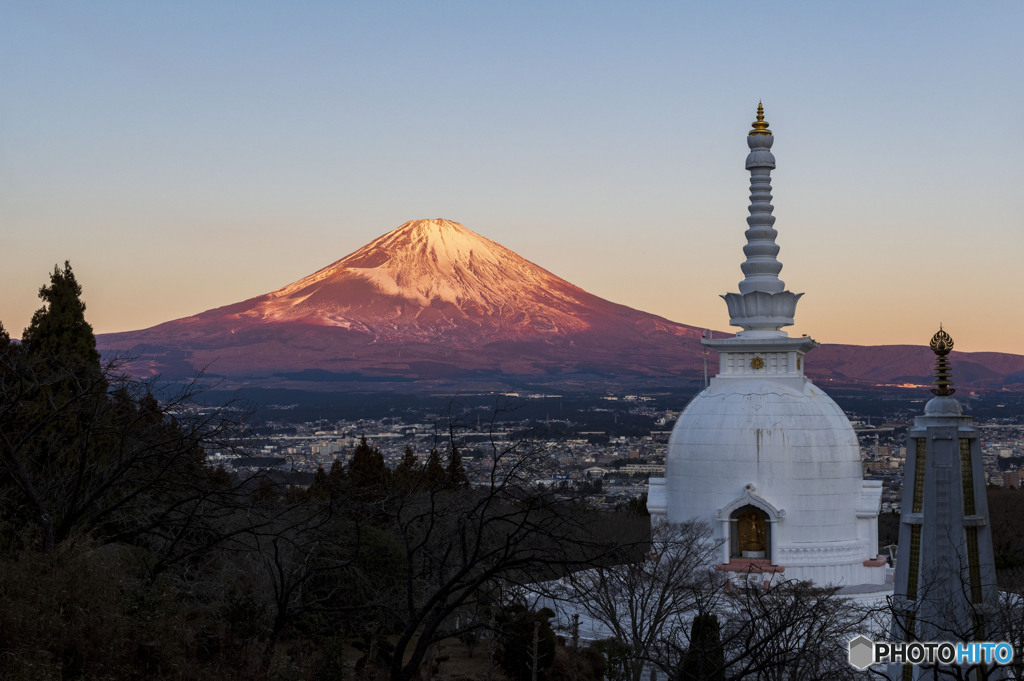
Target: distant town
[{"x": 604, "y": 447}]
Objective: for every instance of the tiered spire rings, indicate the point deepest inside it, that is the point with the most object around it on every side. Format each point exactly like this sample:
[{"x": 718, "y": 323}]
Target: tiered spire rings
[
  {"x": 941, "y": 345},
  {"x": 763, "y": 305}
]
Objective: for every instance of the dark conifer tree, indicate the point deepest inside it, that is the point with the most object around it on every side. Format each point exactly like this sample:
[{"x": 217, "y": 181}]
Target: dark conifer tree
[
  {"x": 529, "y": 643},
  {"x": 434, "y": 473},
  {"x": 75, "y": 453},
  {"x": 367, "y": 472},
  {"x": 53, "y": 438},
  {"x": 7, "y": 348},
  {"x": 456, "y": 474},
  {"x": 408, "y": 471},
  {"x": 329, "y": 484},
  {"x": 705, "y": 660},
  {"x": 58, "y": 329},
  {"x": 337, "y": 474}
]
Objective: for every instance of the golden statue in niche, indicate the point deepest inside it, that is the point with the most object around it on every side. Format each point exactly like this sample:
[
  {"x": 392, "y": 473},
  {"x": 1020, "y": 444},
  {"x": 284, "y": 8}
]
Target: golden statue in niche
[{"x": 753, "y": 530}]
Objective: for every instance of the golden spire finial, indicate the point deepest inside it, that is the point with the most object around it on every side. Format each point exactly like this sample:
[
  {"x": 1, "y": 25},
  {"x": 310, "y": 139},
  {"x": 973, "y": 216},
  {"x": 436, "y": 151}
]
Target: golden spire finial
[
  {"x": 760, "y": 126},
  {"x": 941, "y": 345}
]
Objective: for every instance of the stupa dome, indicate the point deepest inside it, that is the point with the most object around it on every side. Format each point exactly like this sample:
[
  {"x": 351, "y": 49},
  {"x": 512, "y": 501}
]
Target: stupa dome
[{"x": 785, "y": 447}]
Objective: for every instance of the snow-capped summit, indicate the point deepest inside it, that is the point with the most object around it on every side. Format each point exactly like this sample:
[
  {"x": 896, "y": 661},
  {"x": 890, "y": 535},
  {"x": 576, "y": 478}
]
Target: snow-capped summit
[
  {"x": 430, "y": 296},
  {"x": 427, "y": 279}
]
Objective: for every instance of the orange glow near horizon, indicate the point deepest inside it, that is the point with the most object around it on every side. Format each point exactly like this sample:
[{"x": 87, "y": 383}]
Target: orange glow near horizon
[
  {"x": 188, "y": 158},
  {"x": 836, "y": 315}
]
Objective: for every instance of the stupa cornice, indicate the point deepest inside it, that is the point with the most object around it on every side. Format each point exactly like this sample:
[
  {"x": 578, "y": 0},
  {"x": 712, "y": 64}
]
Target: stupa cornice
[{"x": 802, "y": 344}]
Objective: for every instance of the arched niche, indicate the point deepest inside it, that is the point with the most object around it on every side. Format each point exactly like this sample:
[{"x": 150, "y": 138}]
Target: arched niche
[
  {"x": 750, "y": 535},
  {"x": 749, "y": 527}
]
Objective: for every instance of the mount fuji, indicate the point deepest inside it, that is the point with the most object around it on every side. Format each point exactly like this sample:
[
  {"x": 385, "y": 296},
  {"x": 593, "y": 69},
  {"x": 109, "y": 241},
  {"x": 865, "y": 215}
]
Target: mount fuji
[
  {"x": 434, "y": 305},
  {"x": 430, "y": 300}
]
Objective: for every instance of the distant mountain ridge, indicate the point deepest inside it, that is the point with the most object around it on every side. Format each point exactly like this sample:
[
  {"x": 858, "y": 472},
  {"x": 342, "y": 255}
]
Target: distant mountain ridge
[{"x": 434, "y": 301}]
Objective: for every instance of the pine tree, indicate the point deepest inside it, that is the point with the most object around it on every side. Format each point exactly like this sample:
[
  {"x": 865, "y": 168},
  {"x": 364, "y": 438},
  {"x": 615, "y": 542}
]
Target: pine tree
[
  {"x": 337, "y": 475},
  {"x": 75, "y": 453},
  {"x": 63, "y": 387},
  {"x": 705, "y": 660},
  {"x": 529, "y": 642},
  {"x": 407, "y": 472},
  {"x": 6, "y": 350},
  {"x": 367, "y": 472},
  {"x": 328, "y": 483},
  {"x": 456, "y": 474},
  {"x": 55, "y": 391},
  {"x": 58, "y": 328},
  {"x": 435, "y": 472}
]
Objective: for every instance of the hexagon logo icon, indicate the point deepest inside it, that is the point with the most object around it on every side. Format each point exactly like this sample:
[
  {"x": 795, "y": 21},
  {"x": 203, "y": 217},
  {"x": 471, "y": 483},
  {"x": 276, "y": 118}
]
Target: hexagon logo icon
[{"x": 862, "y": 652}]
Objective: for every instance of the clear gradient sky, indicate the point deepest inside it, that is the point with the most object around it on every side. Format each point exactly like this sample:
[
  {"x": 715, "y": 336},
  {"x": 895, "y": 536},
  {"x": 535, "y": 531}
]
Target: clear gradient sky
[{"x": 186, "y": 155}]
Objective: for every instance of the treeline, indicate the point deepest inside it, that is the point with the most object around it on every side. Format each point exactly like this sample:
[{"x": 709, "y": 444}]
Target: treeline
[{"x": 125, "y": 554}]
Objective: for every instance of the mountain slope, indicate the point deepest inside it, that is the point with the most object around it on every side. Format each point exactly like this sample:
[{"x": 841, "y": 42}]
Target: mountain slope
[
  {"x": 433, "y": 301},
  {"x": 429, "y": 298}
]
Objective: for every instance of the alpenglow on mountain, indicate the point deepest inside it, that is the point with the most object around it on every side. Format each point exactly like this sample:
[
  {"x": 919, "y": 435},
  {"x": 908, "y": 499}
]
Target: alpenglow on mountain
[
  {"x": 435, "y": 303},
  {"x": 428, "y": 300},
  {"x": 431, "y": 281}
]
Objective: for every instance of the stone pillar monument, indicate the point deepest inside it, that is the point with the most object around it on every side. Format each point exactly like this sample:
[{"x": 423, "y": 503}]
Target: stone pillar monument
[{"x": 945, "y": 574}]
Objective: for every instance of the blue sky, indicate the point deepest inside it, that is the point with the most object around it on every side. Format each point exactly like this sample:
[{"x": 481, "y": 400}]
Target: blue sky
[{"x": 187, "y": 155}]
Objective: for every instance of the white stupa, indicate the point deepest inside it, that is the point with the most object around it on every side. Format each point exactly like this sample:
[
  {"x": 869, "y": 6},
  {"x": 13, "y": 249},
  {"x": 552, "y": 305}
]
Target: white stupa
[{"x": 762, "y": 454}]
